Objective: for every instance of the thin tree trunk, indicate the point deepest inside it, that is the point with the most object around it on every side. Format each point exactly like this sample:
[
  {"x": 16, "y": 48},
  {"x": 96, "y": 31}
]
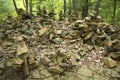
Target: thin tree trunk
[
  {"x": 30, "y": 6},
  {"x": 74, "y": 4},
  {"x": 75, "y": 8},
  {"x": 16, "y": 9},
  {"x": 114, "y": 14},
  {"x": 26, "y": 2},
  {"x": 97, "y": 6},
  {"x": 85, "y": 9},
  {"x": 70, "y": 7},
  {"x": 64, "y": 8}
]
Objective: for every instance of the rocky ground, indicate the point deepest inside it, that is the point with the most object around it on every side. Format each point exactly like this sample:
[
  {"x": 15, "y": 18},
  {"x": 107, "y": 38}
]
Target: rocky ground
[{"x": 41, "y": 48}]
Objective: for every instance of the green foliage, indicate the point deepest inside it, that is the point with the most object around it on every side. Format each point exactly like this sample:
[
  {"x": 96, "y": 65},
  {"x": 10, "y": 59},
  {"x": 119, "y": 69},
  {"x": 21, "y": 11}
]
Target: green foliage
[
  {"x": 105, "y": 10},
  {"x": 6, "y": 7}
]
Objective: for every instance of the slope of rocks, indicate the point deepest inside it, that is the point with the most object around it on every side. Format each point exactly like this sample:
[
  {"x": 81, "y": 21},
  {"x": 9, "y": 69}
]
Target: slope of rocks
[{"x": 40, "y": 48}]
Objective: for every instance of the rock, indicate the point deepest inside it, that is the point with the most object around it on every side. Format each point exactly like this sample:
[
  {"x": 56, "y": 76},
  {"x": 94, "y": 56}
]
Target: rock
[
  {"x": 59, "y": 32},
  {"x": 45, "y": 60},
  {"x": 17, "y": 61},
  {"x": 21, "y": 49},
  {"x": 56, "y": 69},
  {"x": 49, "y": 78},
  {"x": 98, "y": 77},
  {"x": 115, "y": 74},
  {"x": 36, "y": 74},
  {"x": 45, "y": 72},
  {"x": 6, "y": 43},
  {"x": 42, "y": 31},
  {"x": 19, "y": 38},
  {"x": 2, "y": 66},
  {"x": 9, "y": 64},
  {"x": 115, "y": 55},
  {"x": 85, "y": 71},
  {"x": 110, "y": 62}
]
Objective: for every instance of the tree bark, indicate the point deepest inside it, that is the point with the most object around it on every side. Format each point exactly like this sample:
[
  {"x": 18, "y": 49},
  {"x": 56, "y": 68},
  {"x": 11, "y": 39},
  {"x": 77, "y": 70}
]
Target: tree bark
[
  {"x": 74, "y": 5},
  {"x": 64, "y": 8},
  {"x": 26, "y": 2},
  {"x": 30, "y": 6},
  {"x": 96, "y": 7},
  {"x": 85, "y": 9},
  {"x": 70, "y": 7},
  {"x": 16, "y": 9},
  {"x": 114, "y": 14}
]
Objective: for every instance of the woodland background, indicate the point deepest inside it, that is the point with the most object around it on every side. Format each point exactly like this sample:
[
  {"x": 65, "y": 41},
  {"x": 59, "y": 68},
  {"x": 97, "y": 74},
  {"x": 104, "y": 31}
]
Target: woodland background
[{"x": 108, "y": 9}]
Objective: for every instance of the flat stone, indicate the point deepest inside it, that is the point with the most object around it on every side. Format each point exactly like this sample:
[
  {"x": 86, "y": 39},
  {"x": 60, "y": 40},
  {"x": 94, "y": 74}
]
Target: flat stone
[
  {"x": 36, "y": 74},
  {"x": 21, "y": 49},
  {"x": 49, "y": 78},
  {"x": 81, "y": 77},
  {"x": 2, "y": 66},
  {"x": 42, "y": 31},
  {"x": 58, "y": 31},
  {"x": 45, "y": 60},
  {"x": 45, "y": 72},
  {"x": 56, "y": 69},
  {"x": 8, "y": 64},
  {"x": 110, "y": 62},
  {"x": 115, "y": 74},
  {"x": 97, "y": 77},
  {"x": 17, "y": 61},
  {"x": 6, "y": 43},
  {"x": 85, "y": 71}
]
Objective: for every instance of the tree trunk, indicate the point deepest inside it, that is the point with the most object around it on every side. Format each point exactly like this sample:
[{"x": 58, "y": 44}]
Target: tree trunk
[
  {"x": 70, "y": 7},
  {"x": 16, "y": 9},
  {"x": 64, "y": 8},
  {"x": 26, "y": 2},
  {"x": 75, "y": 5},
  {"x": 30, "y": 6},
  {"x": 85, "y": 9},
  {"x": 75, "y": 8},
  {"x": 114, "y": 14},
  {"x": 96, "y": 6}
]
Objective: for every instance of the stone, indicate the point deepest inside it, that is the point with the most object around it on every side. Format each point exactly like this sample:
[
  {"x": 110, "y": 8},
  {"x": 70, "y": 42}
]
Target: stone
[
  {"x": 57, "y": 40},
  {"x": 6, "y": 43},
  {"x": 45, "y": 72},
  {"x": 110, "y": 62},
  {"x": 59, "y": 32},
  {"x": 42, "y": 31},
  {"x": 36, "y": 74},
  {"x": 17, "y": 61},
  {"x": 115, "y": 74},
  {"x": 98, "y": 77},
  {"x": 9, "y": 64},
  {"x": 85, "y": 71},
  {"x": 21, "y": 49},
  {"x": 49, "y": 78},
  {"x": 2, "y": 66},
  {"x": 19, "y": 38},
  {"x": 45, "y": 60},
  {"x": 56, "y": 69}
]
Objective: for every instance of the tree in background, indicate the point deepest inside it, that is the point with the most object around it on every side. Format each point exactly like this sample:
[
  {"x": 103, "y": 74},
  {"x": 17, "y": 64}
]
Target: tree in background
[
  {"x": 96, "y": 7},
  {"x": 64, "y": 8},
  {"x": 85, "y": 9}
]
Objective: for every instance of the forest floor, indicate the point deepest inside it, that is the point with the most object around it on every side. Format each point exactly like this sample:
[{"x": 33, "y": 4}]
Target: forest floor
[{"x": 40, "y": 49}]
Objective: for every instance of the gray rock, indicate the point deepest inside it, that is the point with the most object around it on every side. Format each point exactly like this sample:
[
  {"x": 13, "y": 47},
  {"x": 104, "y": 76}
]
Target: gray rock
[
  {"x": 2, "y": 66},
  {"x": 36, "y": 74},
  {"x": 115, "y": 74},
  {"x": 97, "y": 77},
  {"x": 85, "y": 71}
]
